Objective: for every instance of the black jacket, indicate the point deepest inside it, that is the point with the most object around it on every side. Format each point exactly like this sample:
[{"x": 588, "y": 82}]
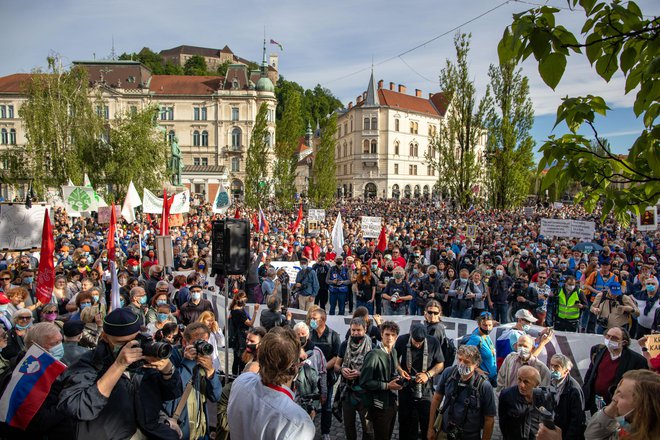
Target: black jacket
[
  {"x": 270, "y": 319},
  {"x": 569, "y": 412},
  {"x": 133, "y": 402},
  {"x": 518, "y": 419},
  {"x": 629, "y": 361}
]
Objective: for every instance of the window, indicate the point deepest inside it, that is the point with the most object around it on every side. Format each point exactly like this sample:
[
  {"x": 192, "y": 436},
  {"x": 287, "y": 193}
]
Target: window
[
  {"x": 414, "y": 149},
  {"x": 12, "y": 136},
  {"x": 234, "y": 113},
  {"x": 5, "y": 137},
  {"x": 345, "y": 169},
  {"x": 396, "y": 125},
  {"x": 195, "y": 138},
  {"x": 345, "y": 150},
  {"x": 205, "y": 139},
  {"x": 199, "y": 113},
  {"x": 196, "y": 113},
  {"x": 367, "y": 124},
  {"x": 415, "y": 170},
  {"x": 374, "y": 123},
  {"x": 346, "y": 128},
  {"x": 203, "y": 115},
  {"x": 365, "y": 147},
  {"x": 396, "y": 168},
  {"x": 268, "y": 139},
  {"x": 339, "y": 131},
  {"x": 10, "y": 111},
  {"x": 270, "y": 116},
  {"x": 103, "y": 111},
  {"x": 396, "y": 148},
  {"x": 410, "y": 169},
  {"x": 374, "y": 147},
  {"x": 351, "y": 124},
  {"x": 170, "y": 136},
  {"x": 167, "y": 113},
  {"x": 235, "y": 164},
  {"x": 197, "y": 161},
  {"x": 236, "y": 138},
  {"x": 3, "y": 111},
  {"x": 432, "y": 130},
  {"x": 133, "y": 109},
  {"x": 414, "y": 128},
  {"x": 204, "y": 161}
]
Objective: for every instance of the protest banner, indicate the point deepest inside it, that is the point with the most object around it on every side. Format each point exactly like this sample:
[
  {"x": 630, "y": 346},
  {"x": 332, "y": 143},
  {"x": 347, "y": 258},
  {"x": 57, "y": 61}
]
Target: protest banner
[
  {"x": 471, "y": 231},
  {"x": 316, "y": 214},
  {"x": 370, "y": 226},
  {"x": 104, "y": 214},
  {"x": 654, "y": 344},
  {"x": 648, "y": 219},
  {"x": 558, "y": 205},
  {"x": 555, "y": 227},
  {"x": 528, "y": 211},
  {"x": 20, "y": 227}
]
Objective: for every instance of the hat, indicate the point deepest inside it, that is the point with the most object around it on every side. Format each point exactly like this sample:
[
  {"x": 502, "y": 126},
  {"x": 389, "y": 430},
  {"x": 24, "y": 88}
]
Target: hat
[
  {"x": 418, "y": 332},
  {"x": 4, "y": 299},
  {"x": 605, "y": 261},
  {"x": 304, "y": 260},
  {"x": 526, "y": 315},
  {"x": 132, "y": 262},
  {"x": 73, "y": 328},
  {"x": 121, "y": 322},
  {"x": 86, "y": 248},
  {"x": 615, "y": 289},
  {"x": 64, "y": 249}
]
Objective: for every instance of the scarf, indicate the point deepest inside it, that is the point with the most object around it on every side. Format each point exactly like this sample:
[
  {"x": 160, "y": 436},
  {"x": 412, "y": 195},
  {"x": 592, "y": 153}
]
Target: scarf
[
  {"x": 650, "y": 301},
  {"x": 355, "y": 353}
]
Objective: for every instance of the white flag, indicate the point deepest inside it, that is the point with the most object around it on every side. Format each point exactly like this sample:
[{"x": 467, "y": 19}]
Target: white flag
[
  {"x": 181, "y": 203},
  {"x": 221, "y": 202},
  {"x": 70, "y": 183},
  {"x": 131, "y": 202},
  {"x": 338, "y": 234},
  {"x": 151, "y": 204},
  {"x": 86, "y": 181}
]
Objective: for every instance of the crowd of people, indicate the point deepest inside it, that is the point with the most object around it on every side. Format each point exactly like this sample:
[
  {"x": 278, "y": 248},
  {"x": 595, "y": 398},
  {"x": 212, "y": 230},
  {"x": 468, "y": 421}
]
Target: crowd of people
[{"x": 153, "y": 367}]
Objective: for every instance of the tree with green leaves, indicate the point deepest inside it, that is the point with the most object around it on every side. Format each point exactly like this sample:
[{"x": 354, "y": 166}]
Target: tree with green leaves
[
  {"x": 453, "y": 152},
  {"x": 137, "y": 150},
  {"x": 323, "y": 180},
  {"x": 509, "y": 146},
  {"x": 257, "y": 185},
  {"x": 289, "y": 130},
  {"x": 616, "y": 37},
  {"x": 195, "y": 65},
  {"x": 316, "y": 105},
  {"x": 62, "y": 128}
]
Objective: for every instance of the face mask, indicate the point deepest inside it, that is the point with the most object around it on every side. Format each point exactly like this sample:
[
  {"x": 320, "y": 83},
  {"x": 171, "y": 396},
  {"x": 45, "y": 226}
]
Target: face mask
[
  {"x": 161, "y": 302},
  {"x": 196, "y": 296},
  {"x": 95, "y": 298},
  {"x": 50, "y": 316},
  {"x": 122, "y": 303},
  {"x": 483, "y": 331},
  {"x": 374, "y": 266},
  {"x": 431, "y": 274},
  {"x": 526, "y": 327},
  {"x": 201, "y": 266},
  {"x": 390, "y": 268},
  {"x": 251, "y": 348},
  {"x": 303, "y": 341},
  {"x": 3, "y": 308},
  {"x": 162, "y": 317},
  {"x": 415, "y": 271},
  {"x": 638, "y": 259},
  {"x": 57, "y": 351},
  {"x": 417, "y": 255},
  {"x": 364, "y": 272},
  {"x": 313, "y": 324},
  {"x": 356, "y": 339},
  {"x": 23, "y": 327},
  {"x": 84, "y": 306},
  {"x": 524, "y": 353},
  {"x": 28, "y": 280},
  {"x": 555, "y": 376},
  {"x": 463, "y": 369},
  {"x": 611, "y": 345},
  {"x": 143, "y": 300},
  {"x": 623, "y": 423},
  {"x": 499, "y": 273},
  {"x": 398, "y": 276},
  {"x": 104, "y": 259},
  {"x": 650, "y": 288},
  {"x": 464, "y": 280},
  {"x": 303, "y": 266}
]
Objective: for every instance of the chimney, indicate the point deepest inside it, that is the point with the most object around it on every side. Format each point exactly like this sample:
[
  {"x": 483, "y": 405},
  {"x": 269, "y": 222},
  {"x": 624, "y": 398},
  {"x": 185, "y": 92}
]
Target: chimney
[
  {"x": 358, "y": 99},
  {"x": 402, "y": 88},
  {"x": 350, "y": 105},
  {"x": 364, "y": 95},
  {"x": 418, "y": 93},
  {"x": 380, "y": 84},
  {"x": 391, "y": 86}
]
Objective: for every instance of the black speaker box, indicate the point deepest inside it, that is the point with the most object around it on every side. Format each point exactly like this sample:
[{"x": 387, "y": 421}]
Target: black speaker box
[{"x": 231, "y": 246}]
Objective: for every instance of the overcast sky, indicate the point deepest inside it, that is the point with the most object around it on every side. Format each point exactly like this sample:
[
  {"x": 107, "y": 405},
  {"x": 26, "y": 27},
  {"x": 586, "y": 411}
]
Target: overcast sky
[{"x": 331, "y": 43}]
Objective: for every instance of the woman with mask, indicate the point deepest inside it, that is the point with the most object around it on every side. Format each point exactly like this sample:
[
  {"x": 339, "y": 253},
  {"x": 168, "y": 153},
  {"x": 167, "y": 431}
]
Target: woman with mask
[
  {"x": 397, "y": 293},
  {"x": 22, "y": 320},
  {"x": 160, "y": 299},
  {"x": 162, "y": 317},
  {"x": 364, "y": 288},
  {"x": 83, "y": 300},
  {"x": 241, "y": 323},
  {"x": 49, "y": 313},
  {"x": 647, "y": 301},
  {"x": 60, "y": 294},
  {"x": 201, "y": 268},
  {"x": 415, "y": 276},
  {"x": 634, "y": 412},
  {"x": 445, "y": 300},
  {"x": 93, "y": 319},
  {"x": 569, "y": 400}
]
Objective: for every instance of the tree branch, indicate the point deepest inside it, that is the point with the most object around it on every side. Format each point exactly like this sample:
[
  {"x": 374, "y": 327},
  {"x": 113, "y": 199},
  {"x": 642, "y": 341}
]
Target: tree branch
[{"x": 648, "y": 28}]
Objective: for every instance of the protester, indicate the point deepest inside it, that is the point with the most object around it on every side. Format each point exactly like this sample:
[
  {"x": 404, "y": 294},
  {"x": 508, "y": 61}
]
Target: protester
[
  {"x": 507, "y": 375},
  {"x": 397, "y": 293},
  {"x": 313, "y": 356},
  {"x": 480, "y": 338},
  {"x": 274, "y": 316},
  {"x": 569, "y": 400},
  {"x": 338, "y": 281},
  {"x": 73, "y": 331},
  {"x": 239, "y": 324},
  {"x": 570, "y": 302},
  {"x": 519, "y": 407}
]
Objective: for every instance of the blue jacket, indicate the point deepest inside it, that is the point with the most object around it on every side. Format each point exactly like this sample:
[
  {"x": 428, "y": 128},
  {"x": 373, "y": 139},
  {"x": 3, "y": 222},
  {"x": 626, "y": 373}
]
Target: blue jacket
[
  {"x": 309, "y": 283},
  {"x": 212, "y": 387}
]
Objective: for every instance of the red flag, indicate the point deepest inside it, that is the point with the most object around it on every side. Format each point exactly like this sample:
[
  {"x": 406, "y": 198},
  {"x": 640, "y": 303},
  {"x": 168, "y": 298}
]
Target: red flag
[
  {"x": 296, "y": 225},
  {"x": 382, "y": 240},
  {"x": 165, "y": 220},
  {"x": 46, "y": 273},
  {"x": 111, "y": 234},
  {"x": 237, "y": 214},
  {"x": 112, "y": 248}
]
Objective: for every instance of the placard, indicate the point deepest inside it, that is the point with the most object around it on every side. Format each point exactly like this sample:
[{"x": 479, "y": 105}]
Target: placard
[
  {"x": 528, "y": 211},
  {"x": 20, "y": 227},
  {"x": 583, "y": 229},
  {"x": 648, "y": 219},
  {"x": 471, "y": 231},
  {"x": 371, "y": 227},
  {"x": 558, "y": 205},
  {"x": 104, "y": 214},
  {"x": 316, "y": 214},
  {"x": 555, "y": 227},
  {"x": 653, "y": 343}
]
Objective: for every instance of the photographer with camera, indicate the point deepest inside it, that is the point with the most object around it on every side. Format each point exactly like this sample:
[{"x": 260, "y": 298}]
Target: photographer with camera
[
  {"x": 105, "y": 390},
  {"x": 199, "y": 382},
  {"x": 499, "y": 288},
  {"x": 613, "y": 309},
  {"x": 275, "y": 316},
  {"x": 421, "y": 359},
  {"x": 469, "y": 407},
  {"x": 523, "y": 297},
  {"x": 463, "y": 293},
  {"x": 522, "y": 407},
  {"x": 306, "y": 286}
]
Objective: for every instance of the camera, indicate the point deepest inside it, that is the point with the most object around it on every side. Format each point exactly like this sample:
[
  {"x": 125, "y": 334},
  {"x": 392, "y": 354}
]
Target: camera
[
  {"x": 602, "y": 321},
  {"x": 454, "y": 432},
  {"x": 151, "y": 348},
  {"x": 203, "y": 348}
]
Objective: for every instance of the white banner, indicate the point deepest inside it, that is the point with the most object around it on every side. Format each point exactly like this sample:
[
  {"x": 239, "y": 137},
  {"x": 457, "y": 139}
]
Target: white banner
[
  {"x": 583, "y": 229},
  {"x": 371, "y": 227},
  {"x": 316, "y": 214},
  {"x": 181, "y": 203},
  {"x": 554, "y": 227},
  {"x": 151, "y": 204},
  {"x": 20, "y": 227}
]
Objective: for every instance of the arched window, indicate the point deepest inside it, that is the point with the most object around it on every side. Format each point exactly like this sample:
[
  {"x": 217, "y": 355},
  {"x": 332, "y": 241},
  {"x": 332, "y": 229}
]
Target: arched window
[
  {"x": 205, "y": 138},
  {"x": 12, "y": 136},
  {"x": 345, "y": 150},
  {"x": 196, "y": 138},
  {"x": 367, "y": 125},
  {"x": 411, "y": 150},
  {"x": 406, "y": 192},
  {"x": 236, "y": 138},
  {"x": 374, "y": 147},
  {"x": 395, "y": 191},
  {"x": 396, "y": 148},
  {"x": 417, "y": 190},
  {"x": 396, "y": 124},
  {"x": 170, "y": 136},
  {"x": 365, "y": 146},
  {"x": 374, "y": 123},
  {"x": 5, "y": 137},
  {"x": 416, "y": 149},
  {"x": 268, "y": 139}
]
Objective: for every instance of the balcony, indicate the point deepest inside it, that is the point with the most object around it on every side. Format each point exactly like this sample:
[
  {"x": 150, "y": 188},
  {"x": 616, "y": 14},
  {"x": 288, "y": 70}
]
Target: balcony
[
  {"x": 370, "y": 159},
  {"x": 226, "y": 150}
]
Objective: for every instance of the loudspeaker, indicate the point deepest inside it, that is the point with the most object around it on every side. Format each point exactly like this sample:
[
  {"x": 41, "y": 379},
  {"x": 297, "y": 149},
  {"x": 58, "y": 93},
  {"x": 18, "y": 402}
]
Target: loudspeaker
[
  {"x": 218, "y": 247},
  {"x": 237, "y": 246}
]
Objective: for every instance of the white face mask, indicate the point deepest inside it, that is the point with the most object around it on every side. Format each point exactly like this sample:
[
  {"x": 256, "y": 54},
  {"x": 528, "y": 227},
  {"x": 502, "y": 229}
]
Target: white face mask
[
  {"x": 524, "y": 353},
  {"x": 611, "y": 345},
  {"x": 463, "y": 369}
]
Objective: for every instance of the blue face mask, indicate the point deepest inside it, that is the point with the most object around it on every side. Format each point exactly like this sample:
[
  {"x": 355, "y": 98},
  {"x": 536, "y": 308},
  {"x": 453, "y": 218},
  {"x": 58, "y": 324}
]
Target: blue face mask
[
  {"x": 650, "y": 288},
  {"x": 28, "y": 280},
  {"x": 122, "y": 303},
  {"x": 161, "y": 302},
  {"x": 555, "y": 376},
  {"x": 57, "y": 351},
  {"x": 143, "y": 300},
  {"x": 201, "y": 266},
  {"x": 95, "y": 298},
  {"x": 162, "y": 317},
  {"x": 23, "y": 327},
  {"x": 84, "y": 306},
  {"x": 623, "y": 423},
  {"x": 196, "y": 296},
  {"x": 313, "y": 324}
]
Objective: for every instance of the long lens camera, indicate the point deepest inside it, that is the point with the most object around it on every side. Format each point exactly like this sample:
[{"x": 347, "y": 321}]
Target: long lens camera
[
  {"x": 203, "y": 348},
  {"x": 151, "y": 348}
]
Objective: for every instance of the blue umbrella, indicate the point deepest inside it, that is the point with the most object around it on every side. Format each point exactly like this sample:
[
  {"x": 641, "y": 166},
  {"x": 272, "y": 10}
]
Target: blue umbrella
[{"x": 588, "y": 247}]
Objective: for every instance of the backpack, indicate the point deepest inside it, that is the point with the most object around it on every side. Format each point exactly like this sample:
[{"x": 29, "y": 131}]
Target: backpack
[
  {"x": 307, "y": 382},
  {"x": 475, "y": 390},
  {"x": 448, "y": 351},
  {"x": 464, "y": 340}
]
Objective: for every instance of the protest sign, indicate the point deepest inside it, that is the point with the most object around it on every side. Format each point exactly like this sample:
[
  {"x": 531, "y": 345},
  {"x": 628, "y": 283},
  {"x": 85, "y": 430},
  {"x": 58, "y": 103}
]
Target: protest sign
[
  {"x": 20, "y": 227},
  {"x": 471, "y": 231},
  {"x": 555, "y": 227},
  {"x": 370, "y": 227},
  {"x": 648, "y": 219},
  {"x": 529, "y": 211},
  {"x": 104, "y": 214},
  {"x": 316, "y": 214},
  {"x": 653, "y": 342}
]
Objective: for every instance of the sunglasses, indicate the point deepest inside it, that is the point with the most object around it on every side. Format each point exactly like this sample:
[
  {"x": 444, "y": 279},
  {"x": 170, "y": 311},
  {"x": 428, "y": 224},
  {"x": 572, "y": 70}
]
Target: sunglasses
[
  {"x": 432, "y": 313},
  {"x": 486, "y": 315},
  {"x": 24, "y": 318},
  {"x": 5, "y": 279}
]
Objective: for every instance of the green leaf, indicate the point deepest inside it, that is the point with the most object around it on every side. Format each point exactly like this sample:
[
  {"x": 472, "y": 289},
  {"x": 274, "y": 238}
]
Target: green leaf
[
  {"x": 594, "y": 47},
  {"x": 628, "y": 58},
  {"x": 606, "y": 66},
  {"x": 587, "y": 5},
  {"x": 540, "y": 44},
  {"x": 551, "y": 69}
]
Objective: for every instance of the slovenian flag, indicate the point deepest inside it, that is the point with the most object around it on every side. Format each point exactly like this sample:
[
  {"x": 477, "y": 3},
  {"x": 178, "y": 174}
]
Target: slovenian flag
[
  {"x": 277, "y": 44},
  {"x": 262, "y": 222},
  {"x": 29, "y": 385}
]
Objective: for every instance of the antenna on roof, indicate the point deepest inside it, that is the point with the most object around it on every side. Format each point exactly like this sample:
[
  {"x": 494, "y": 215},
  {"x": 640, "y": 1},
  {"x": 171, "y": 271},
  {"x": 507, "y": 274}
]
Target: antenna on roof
[{"x": 113, "y": 55}]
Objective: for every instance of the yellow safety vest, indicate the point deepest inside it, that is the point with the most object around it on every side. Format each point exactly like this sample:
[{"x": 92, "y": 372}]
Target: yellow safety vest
[{"x": 568, "y": 309}]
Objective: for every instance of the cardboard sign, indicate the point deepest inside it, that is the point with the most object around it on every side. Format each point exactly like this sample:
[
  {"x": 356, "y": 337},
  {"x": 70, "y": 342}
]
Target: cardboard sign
[
  {"x": 653, "y": 342},
  {"x": 316, "y": 214},
  {"x": 555, "y": 227},
  {"x": 529, "y": 211},
  {"x": 471, "y": 231},
  {"x": 20, "y": 227},
  {"x": 558, "y": 205},
  {"x": 371, "y": 227}
]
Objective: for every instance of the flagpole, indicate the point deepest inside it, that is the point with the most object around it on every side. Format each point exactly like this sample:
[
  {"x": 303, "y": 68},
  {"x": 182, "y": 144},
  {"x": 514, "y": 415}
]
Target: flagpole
[{"x": 140, "y": 246}]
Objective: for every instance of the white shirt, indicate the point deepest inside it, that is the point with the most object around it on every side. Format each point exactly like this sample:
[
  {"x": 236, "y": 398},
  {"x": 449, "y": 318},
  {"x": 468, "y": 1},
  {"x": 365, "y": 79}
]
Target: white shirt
[{"x": 256, "y": 411}]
